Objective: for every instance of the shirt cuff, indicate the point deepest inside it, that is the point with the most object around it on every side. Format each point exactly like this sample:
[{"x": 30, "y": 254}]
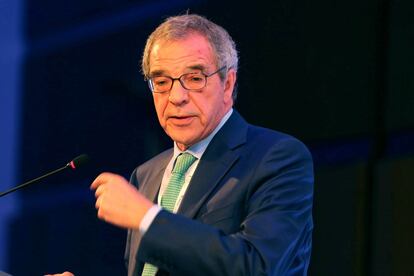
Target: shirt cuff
[{"x": 149, "y": 218}]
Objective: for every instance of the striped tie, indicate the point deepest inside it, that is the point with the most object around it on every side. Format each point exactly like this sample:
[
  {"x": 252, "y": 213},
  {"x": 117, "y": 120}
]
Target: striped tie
[{"x": 169, "y": 198}]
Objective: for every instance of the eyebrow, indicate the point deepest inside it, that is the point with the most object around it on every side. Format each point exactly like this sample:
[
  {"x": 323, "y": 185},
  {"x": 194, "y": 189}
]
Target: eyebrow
[
  {"x": 200, "y": 67},
  {"x": 157, "y": 73}
]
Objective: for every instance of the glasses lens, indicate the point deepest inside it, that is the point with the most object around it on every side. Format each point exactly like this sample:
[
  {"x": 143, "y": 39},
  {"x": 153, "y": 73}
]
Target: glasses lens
[
  {"x": 193, "y": 81},
  {"x": 160, "y": 84}
]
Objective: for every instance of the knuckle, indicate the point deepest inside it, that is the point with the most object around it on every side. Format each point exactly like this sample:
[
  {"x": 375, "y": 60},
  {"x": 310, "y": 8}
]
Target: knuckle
[{"x": 101, "y": 214}]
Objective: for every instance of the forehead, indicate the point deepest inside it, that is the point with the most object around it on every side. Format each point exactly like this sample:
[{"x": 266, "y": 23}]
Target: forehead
[{"x": 176, "y": 56}]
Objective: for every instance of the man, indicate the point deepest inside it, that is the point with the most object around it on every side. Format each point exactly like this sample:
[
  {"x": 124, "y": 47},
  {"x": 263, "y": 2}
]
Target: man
[{"x": 243, "y": 203}]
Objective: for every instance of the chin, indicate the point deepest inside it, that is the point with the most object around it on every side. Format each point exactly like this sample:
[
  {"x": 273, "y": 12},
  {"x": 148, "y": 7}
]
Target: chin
[{"x": 187, "y": 142}]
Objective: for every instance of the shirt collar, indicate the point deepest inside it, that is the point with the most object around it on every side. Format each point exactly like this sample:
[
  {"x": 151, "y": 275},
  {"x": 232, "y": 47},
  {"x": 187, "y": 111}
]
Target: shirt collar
[{"x": 200, "y": 147}]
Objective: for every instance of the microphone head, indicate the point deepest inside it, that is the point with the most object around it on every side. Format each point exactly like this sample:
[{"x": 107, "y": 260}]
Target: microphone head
[{"x": 78, "y": 161}]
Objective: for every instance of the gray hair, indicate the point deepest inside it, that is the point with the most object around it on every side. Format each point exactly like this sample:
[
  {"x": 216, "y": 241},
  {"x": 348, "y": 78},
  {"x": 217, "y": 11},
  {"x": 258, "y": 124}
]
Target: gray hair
[{"x": 179, "y": 27}]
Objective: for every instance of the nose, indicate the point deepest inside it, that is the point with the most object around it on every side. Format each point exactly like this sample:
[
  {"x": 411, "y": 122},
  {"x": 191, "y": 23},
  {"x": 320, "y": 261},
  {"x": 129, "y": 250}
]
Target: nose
[{"x": 178, "y": 94}]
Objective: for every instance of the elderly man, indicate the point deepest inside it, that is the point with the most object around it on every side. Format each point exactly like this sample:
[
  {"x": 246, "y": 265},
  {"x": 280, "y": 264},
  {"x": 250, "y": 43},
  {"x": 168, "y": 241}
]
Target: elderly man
[{"x": 229, "y": 198}]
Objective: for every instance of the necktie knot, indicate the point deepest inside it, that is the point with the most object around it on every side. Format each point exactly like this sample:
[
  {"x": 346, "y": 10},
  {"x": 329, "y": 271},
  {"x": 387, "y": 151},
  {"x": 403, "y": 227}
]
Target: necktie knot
[{"x": 183, "y": 163}]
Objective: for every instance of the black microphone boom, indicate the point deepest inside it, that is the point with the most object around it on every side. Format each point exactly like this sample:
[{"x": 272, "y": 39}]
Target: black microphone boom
[{"x": 74, "y": 164}]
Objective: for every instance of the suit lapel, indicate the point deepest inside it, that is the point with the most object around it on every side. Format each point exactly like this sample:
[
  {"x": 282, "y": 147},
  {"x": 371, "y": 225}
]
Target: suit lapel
[
  {"x": 152, "y": 186},
  {"x": 150, "y": 183},
  {"x": 218, "y": 158}
]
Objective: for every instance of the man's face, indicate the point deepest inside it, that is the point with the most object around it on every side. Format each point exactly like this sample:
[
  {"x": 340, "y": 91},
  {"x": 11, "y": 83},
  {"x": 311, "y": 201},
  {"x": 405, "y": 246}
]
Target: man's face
[{"x": 190, "y": 116}]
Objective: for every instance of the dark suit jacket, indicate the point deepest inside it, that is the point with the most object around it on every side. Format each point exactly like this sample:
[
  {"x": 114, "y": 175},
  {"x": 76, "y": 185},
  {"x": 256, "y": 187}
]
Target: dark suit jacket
[{"x": 247, "y": 210}]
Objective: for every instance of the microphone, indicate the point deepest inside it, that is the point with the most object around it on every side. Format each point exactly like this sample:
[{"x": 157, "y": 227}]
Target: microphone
[{"x": 74, "y": 164}]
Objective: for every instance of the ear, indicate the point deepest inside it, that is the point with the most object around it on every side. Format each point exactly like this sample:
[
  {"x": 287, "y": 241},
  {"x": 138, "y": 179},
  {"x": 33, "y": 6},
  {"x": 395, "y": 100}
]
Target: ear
[{"x": 229, "y": 83}]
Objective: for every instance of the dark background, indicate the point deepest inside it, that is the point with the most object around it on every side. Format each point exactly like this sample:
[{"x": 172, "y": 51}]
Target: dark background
[{"x": 336, "y": 74}]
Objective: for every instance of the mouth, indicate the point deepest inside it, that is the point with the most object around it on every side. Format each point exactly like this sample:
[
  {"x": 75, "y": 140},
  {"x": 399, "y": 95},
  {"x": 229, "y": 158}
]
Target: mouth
[{"x": 181, "y": 120}]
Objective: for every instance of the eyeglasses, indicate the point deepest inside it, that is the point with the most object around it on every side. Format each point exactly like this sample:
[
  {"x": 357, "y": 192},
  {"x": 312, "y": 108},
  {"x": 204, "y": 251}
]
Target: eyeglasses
[{"x": 189, "y": 81}]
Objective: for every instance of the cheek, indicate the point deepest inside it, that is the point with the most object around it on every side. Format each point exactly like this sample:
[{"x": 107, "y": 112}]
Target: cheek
[
  {"x": 160, "y": 106},
  {"x": 212, "y": 106},
  {"x": 208, "y": 117},
  {"x": 201, "y": 105}
]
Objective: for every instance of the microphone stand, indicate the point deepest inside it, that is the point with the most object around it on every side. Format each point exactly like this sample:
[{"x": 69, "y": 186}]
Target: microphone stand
[{"x": 76, "y": 162}]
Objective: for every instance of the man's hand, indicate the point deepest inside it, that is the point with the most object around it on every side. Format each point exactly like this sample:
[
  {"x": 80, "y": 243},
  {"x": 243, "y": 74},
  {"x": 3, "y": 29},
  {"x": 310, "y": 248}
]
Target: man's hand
[
  {"x": 118, "y": 202},
  {"x": 66, "y": 273}
]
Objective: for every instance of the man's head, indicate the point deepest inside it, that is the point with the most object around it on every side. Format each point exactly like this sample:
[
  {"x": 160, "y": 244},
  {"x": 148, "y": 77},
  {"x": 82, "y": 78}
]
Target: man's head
[
  {"x": 191, "y": 106},
  {"x": 178, "y": 27}
]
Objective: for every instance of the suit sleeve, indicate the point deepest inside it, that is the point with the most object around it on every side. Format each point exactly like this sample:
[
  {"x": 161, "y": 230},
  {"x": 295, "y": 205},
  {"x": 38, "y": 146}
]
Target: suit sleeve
[{"x": 274, "y": 237}]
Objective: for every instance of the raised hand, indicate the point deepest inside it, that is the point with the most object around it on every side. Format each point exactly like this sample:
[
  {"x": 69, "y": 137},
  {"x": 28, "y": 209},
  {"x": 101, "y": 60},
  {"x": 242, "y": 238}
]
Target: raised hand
[{"x": 119, "y": 202}]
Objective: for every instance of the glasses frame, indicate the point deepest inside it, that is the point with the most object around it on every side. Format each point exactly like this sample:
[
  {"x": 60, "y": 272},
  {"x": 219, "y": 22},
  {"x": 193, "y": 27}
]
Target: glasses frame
[{"x": 151, "y": 85}]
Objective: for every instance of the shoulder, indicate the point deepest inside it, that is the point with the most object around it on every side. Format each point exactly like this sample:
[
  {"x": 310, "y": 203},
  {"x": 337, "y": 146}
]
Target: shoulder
[
  {"x": 278, "y": 161},
  {"x": 265, "y": 140},
  {"x": 157, "y": 161},
  {"x": 151, "y": 167},
  {"x": 255, "y": 142}
]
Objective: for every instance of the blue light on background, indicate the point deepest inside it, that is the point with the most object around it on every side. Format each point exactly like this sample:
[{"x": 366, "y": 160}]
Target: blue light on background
[{"x": 11, "y": 57}]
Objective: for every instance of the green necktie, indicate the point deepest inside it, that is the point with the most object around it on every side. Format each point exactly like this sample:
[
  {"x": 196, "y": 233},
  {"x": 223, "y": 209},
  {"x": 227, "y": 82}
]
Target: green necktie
[{"x": 169, "y": 198}]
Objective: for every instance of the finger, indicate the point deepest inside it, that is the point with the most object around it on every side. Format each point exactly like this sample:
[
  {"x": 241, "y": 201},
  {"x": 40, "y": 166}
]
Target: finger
[
  {"x": 101, "y": 179},
  {"x": 98, "y": 203},
  {"x": 100, "y": 190},
  {"x": 101, "y": 215}
]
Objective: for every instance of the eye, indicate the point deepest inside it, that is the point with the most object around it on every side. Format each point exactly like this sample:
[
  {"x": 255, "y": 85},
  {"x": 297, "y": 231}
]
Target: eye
[
  {"x": 194, "y": 78},
  {"x": 161, "y": 81}
]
